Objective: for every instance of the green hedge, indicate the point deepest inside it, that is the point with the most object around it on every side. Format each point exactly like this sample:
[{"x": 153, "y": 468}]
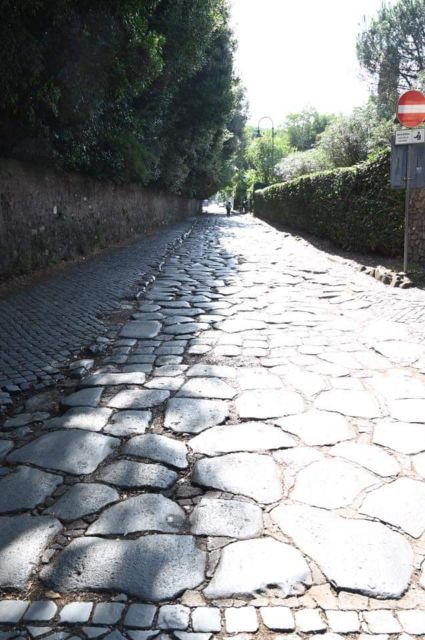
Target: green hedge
[{"x": 354, "y": 207}]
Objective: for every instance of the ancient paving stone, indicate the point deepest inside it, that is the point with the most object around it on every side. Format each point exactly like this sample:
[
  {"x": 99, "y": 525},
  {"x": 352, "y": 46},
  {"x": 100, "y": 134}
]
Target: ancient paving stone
[
  {"x": 107, "y": 612},
  {"x": 186, "y": 635},
  {"x": 186, "y": 328},
  {"x": 250, "y": 565},
  {"x": 231, "y": 518},
  {"x": 126, "y": 473},
  {"x": 5, "y": 447},
  {"x": 81, "y": 500},
  {"x": 399, "y": 351},
  {"x": 22, "y": 541},
  {"x": 128, "y": 423},
  {"x": 11, "y": 611},
  {"x": 25, "y": 488},
  {"x": 318, "y": 427},
  {"x": 76, "y": 612},
  {"x": 400, "y": 503},
  {"x": 173, "y": 616},
  {"x": 343, "y": 621},
  {"x": 84, "y": 398},
  {"x": 411, "y": 410},
  {"x": 268, "y": 404},
  {"x": 369, "y": 456},
  {"x": 358, "y": 404},
  {"x": 41, "y": 611},
  {"x": 413, "y": 621},
  {"x": 257, "y": 378},
  {"x": 278, "y": 618},
  {"x": 169, "y": 383},
  {"x": 397, "y": 387},
  {"x": 113, "y": 379},
  {"x": 147, "y": 512},
  {"x": 138, "y": 399},
  {"x": 207, "y": 388},
  {"x": 187, "y": 415},
  {"x": 246, "y": 436},
  {"x": 248, "y": 474},
  {"x": 241, "y": 619},
  {"x": 170, "y": 370},
  {"x": 297, "y": 458},
  {"x": 169, "y": 564},
  {"x": 238, "y": 325},
  {"x": 81, "y": 418},
  {"x": 331, "y": 483},
  {"x": 160, "y": 448},
  {"x": 356, "y": 555},
  {"x": 140, "y": 330},
  {"x": 381, "y": 621},
  {"x": 140, "y": 616},
  {"x": 206, "y": 619},
  {"x": 419, "y": 464},
  {"x": 403, "y": 437},
  {"x": 309, "y": 621},
  {"x": 74, "y": 451},
  {"x": 216, "y": 371}
]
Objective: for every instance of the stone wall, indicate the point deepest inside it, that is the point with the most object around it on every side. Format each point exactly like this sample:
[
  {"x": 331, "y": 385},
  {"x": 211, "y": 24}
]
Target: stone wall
[
  {"x": 417, "y": 226},
  {"x": 46, "y": 216}
]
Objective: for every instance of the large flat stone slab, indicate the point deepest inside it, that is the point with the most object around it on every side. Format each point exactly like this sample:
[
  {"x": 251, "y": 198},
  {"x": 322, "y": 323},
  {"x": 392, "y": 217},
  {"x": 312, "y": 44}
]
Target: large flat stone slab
[
  {"x": 247, "y": 474},
  {"x": 140, "y": 329},
  {"x": 403, "y": 437},
  {"x": 318, "y": 427},
  {"x": 153, "y": 568},
  {"x": 113, "y": 379},
  {"x": 369, "y": 456},
  {"x": 357, "y": 404},
  {"x": 213, "y": 370},
  {"x": 190, "y": 415},
  {"x": 238, "y": 325},
  {"x": 331, "y": 483},
  {"x": 83, "y": 398},
  {"x": 400, "y": 503},
  {"x": 207, "y": 388},
  {"x": 81, "y": 418},
  {"x": 266, "y": 403},
  {"x": 138, "y": 399},
  {"x": 25, "y": 488},
  {"x": 186, "y": 328},
  {"x": 246, "y": 436},
  {"x": 74, "y": 451},
  {"x": 148, "y": 512},
  {"x": 129, "y": 423},
  {"x": 127, "y": 473},
  {"x": 251, "y": 565},
  {"x": 355, "y": 555},
  {"x": 231, "y": 518},
  {"x": 408, "y": 410},
  {"x": 81, "y": 500},
  {"x": 159, "y": 448},
  {"x": 22, "y": 542}
]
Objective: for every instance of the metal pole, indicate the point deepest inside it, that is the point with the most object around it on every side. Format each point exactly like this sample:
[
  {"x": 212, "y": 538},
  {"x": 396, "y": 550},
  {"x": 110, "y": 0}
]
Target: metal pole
[{"x": 406, "y": 208}]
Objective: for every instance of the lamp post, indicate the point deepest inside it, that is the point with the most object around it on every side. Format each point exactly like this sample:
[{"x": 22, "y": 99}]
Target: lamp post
[{"x": 258, "y": 134}]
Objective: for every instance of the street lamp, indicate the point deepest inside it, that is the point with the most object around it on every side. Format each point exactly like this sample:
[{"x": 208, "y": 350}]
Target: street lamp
[{"x": 258, "y": 134}]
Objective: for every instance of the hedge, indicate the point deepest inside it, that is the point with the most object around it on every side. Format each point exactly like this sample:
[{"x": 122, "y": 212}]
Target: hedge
[{"x": 354, "y": 207}]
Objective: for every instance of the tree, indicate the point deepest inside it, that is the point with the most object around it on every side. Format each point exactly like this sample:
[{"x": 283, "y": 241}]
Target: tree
[{"x": 303, "y": 128}]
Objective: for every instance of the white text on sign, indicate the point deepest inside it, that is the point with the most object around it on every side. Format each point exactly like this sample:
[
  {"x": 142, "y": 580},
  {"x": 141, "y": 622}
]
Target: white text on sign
[{"x": 411, "y": 136}]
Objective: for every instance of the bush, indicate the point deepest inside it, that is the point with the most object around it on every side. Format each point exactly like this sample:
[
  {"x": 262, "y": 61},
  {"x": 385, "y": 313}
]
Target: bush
[{"x": 354, "y": 207}]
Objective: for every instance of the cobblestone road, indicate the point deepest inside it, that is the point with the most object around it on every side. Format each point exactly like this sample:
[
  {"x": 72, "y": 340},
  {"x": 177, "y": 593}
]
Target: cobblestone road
[{"x": 249, "y": 459}]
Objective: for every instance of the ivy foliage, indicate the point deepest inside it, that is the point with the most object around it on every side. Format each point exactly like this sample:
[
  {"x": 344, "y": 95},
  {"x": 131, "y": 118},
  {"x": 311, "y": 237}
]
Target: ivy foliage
[
  {"x": 354, "y": 207},
  {"x": 135, "y": 90}
]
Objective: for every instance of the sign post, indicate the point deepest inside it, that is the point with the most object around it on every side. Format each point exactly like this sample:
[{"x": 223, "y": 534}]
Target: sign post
[{"x": 410, "y": 113}]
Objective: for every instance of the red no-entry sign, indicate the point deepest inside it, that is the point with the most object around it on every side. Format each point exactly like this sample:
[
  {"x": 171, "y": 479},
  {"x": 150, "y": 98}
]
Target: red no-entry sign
[{"x": 411, "y": 108}]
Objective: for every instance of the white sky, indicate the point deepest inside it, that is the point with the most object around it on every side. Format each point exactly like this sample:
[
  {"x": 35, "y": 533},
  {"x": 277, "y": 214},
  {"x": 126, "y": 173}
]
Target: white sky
[{"x": 293, "y": 53}]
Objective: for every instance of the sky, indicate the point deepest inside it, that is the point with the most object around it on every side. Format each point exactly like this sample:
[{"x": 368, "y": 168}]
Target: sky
[{"x": 294, "y": 53}]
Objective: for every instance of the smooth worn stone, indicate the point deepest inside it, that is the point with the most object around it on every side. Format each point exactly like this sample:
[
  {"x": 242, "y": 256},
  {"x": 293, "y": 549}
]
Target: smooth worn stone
[
  {"x": 241, "y": 619},
  {"x": 186, "y": 635},
  {"x": 399, "y": 351},
  {"x": 248, "y": 566},
  {"x": 41, "y": 611},
  {"x": 413, "y": 621},
  {"x": 238, "y": 325},
  {"x": 213, "y": 370},
  {"x": 142, "y": 635},
  {"x": 22, "y": 542},
  {"x": 173, "y": 616},
  {"x": 170, "y": 370},
  {"x": 268, "y": 404},
  {"x": 248, "y": 474},
  {"x": 140, "y": 616},
  {"x": 419, "y": 464},
  {"x": 138, "y": 399},
  {"x": 170, "y": 384},
  {"x": 207, "y": 388},
  {"x": 94, "y": 632},
  {"x": 411, "y": 410},
  {"x": 400, "y": 503},
  {"x": 343, "y": 621},
  {"x": 396, "y": 387},
  {"x": 160, "y": 448},
  {"x": 206, "y": 619},
  {"x": 318, "y": 427},
  {"x": 186, "y": 328},
  {"x": 357, "y": 404},
  {"x": 5, "y": 447},
  {"x": 403, "y": 437},
  {"x": 331, "y": 483},
  {"x": 84, "y": 398},
  {"x": 246, "y": 436},
  {"x": 108, "y": 612},
  {"x": 369, "y": 456},
  {"x": 25, "y": 488},
  {"x": 355, "y": 555},
  {"x": 307, "y": 383},
  {"x": 74, "y": 451},
  {"x": 127, "y": 473},
  {"x": 381, "y": 621},
  {"x": 11, "y": 611},
  {"x": 81, "y": 500},
  {"x": 81, "y": 418},
  {"x": 231, "y": 518},
  {"x": 147, "y": 512},
  {"x": 140, "y": 330},
  {"x": 128, "y": 423},
  {"x": 309, "y": 621},
  {"x": 75, "y": 612},
  {"x": 113, "y": 379},
  {"x": 278, "y": 618},
  {"x": 189, "y": 415},
  {"x": 169, "y": 564},
  {"x": 258, "y": 378}
]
